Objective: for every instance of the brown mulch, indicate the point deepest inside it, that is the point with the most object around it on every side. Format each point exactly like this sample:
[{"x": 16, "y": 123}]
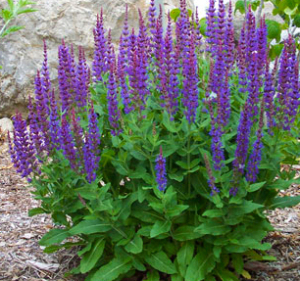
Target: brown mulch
[{"x": 22, "y": 258}]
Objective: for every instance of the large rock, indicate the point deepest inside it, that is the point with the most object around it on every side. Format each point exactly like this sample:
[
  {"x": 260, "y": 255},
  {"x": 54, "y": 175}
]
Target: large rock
[{"x": 21, "y": 53}]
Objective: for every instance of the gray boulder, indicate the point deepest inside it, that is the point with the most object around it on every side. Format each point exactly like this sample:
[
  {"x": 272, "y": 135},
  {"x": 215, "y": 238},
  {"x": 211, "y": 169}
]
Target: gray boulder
[{"x": 21, "y": 53}]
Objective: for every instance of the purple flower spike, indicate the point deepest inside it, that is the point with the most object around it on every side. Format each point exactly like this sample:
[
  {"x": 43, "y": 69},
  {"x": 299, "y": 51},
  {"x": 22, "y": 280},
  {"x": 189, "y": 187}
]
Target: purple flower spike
[
  {"x": 190, "y": 81},
  {"x": 113, "y": 110},
  {"x": 255, "y": 156},
  {"x": 91, "y": 149},
  {"x": 211, "y": 178},
  {"x": 160, "y": 167},
  {"x": 67, "y": 143},
  {"x": 64, "y": 76},
  {"x": 269, "y": 94},
  {"x": 46, "y": 80},
  {"x": 211, "y": 25},
  {"x": 24, "y": 155},
  {"x": 54, "y": 123},
  {"x": 82, "y": 82},
  {"x": 217, "y": 146},
  {"x": 242, "y": 141},
  {"x": 99, "y": 62},
  {"x": 151, "y": 15},
  {"x": 168, "y": 74},
  {"x": 35, "y": 135}
]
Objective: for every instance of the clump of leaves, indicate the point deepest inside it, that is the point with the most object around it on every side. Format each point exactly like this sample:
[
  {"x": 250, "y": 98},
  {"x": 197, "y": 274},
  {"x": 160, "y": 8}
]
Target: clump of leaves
[{"x": 11, "y": 12}]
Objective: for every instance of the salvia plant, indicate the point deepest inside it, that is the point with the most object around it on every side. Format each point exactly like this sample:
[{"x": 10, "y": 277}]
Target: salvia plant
[{"x": 162, "y": 157}]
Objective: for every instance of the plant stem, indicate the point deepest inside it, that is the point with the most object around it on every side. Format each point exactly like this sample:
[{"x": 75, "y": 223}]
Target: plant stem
[{"x": 189, "y": 160}]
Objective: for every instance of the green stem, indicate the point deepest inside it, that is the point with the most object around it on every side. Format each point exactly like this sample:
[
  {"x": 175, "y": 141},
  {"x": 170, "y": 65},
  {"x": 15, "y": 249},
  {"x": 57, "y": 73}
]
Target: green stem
[{"x": 189, "y": 160}]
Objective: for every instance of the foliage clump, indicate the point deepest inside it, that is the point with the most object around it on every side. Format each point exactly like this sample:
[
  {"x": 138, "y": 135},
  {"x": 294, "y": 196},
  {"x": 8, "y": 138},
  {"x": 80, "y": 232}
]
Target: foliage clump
[{"x": 162, "y": 158}]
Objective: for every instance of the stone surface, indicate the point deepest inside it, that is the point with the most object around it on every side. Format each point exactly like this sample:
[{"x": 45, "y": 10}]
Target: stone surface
[
  {"x": 21, "y": 53},
  {"x": 6, "y": 125}
]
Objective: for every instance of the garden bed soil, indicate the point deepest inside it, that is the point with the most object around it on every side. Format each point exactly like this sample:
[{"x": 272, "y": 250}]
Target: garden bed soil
[{"x": 22, "y": 258}]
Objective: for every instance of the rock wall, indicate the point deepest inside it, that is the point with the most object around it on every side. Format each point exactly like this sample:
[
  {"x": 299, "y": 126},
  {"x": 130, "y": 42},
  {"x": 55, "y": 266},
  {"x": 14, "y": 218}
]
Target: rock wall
[{"x": 21, "y": 53}]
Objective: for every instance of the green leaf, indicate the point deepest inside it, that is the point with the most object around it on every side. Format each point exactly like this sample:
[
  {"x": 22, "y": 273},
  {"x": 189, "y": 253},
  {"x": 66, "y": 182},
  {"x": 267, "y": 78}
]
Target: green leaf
[
  {"x": 185, "y": 233},
  {"x": 11, "y": 4},
  {"x": 174, "y": 14},
  {"x": 161, "y": 262},
  {"x": 240, "y": 6},
  {"x": 160, "y": 227},
  {"x": 200, "y": 266},
  {"x": 273, "y": 28},
  {"x": 152, "y": 276},
  {"x": 36, "y": 211},
  {"x": 11, "y": 29},
  {"x": 176, "y": 210},
  {"x": 54, "y": 236},
  {"x": 214, "y": 213},
  {"x": 213, "y": 228},
  {"x": 256, "y": 186},
  {"x": 296, "y": 20},
  {"x": 283, "y": 202},
  {"x": 26, "y": 11},
  {"x": 112, "y": 270},
  {"x": 90, "y": 259},
  {"x": 90, "y": 226},
  {"x": 6, "y": 15},
  {"x": 135, "y": 246},
  {"x": 238, "y": 263},
  {"x": 185, "y": 256},
  {"x": 203, "y": 26}
]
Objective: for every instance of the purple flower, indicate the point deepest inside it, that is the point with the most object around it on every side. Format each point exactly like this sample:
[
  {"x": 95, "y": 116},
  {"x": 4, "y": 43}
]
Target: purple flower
[
  {"x": 54, "y": 123},
  {"x": 269, "y": 94},
  {"x": 64, "y": 76},
  {"x": 255, "y": 156},
  {"x": 288, "y": 84},
  {"x": 211, "y": 178},
  {"x": 24, "y": 153},
  {"x": 216, "y": 145},
  {"x": 99, "y": 62},
  {"x": 35, "y": 134},
  {"x": 242, "y": 140},
  {"x": 112, "y": 100},
  {"x": 46, "y": 83},
  {"x": 211, "y": 32},
  {"x": 82, "y": 74},
  {"x": 160, "y": 168},
  {"x": 67, "y": 143},
  {"x": 91, "y": 149},
  {"x": 190, "y": 80}
]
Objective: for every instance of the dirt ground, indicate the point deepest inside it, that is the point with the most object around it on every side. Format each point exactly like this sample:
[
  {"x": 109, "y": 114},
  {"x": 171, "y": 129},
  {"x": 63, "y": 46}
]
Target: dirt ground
[{"x": 22, "y": 258}]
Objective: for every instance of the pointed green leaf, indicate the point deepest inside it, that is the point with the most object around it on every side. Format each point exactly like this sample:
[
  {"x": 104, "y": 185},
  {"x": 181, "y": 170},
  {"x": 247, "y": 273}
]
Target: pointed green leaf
[
  {"x": 184, "y": 233},
  {"x": 89, "y": 227},
  {"x": 90, "y": 259},
  {"x": 26, "y": 11},
  {"x": 135, "y": 246},
  {"x": 283, "y": 202},
  {"x": 54, "y": 236},
  {"x": 213, "y": 228},
  {"x": 160, "y": 227},
  {"x": 161, "y": 262},
  {"x": 256, "y": 186},
  {"x": 36, "y": 211},
  {"x": 200, "y": 266},
  {"x": 185, "y": 255},
  {"x": 112, "y": 270}
]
